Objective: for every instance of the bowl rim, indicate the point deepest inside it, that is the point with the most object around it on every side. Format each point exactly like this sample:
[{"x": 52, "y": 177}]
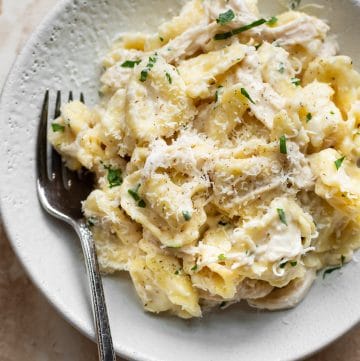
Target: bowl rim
[{"x": 121, "y": 350}]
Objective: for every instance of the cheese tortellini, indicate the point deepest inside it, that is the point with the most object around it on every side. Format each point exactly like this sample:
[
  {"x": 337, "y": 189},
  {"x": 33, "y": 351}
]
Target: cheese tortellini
[{"x": 226, "y": 154}]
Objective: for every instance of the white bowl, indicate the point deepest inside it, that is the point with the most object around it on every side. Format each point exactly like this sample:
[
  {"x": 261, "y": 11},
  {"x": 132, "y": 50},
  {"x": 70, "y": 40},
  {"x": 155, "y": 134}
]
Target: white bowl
[{"x": 64, "y": 54}]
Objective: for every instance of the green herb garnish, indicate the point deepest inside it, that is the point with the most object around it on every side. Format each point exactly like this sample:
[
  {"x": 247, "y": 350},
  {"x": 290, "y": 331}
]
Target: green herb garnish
[
  {"x": 194, "y": 268},
  {"x": 91, "y": 221},
  {"x": 186, "y": 215},
  {"x": 217, "y": 92},
  {"x": 135, "y": 195},
  {"x": 114, "y": 177},
  {"x": 228, "y": 34},
  {"x": 168, "y": 77},
  {"x": 331, "y": 270},
  {"x": 292, "y": 263},
  {"x": 246, "y": 95},
  {"x": 308, "y": 117},
  {"x": 281, "y": 215},
  {"x": 339, "y": 162},
  {"x": 225, "y": 17},
  {"x": 272, "y": 21},
  {"x": 145, "y": 72},
  {"x": 283, "y": 148},
  {"x": 221, "y": 257},
  {"x": 161, "y": 38},
  {"x": 130, "y": 63},
  {"x": 57, "y": 127},
  {"x": 141, "y": 203},
  {"x": 296, "y": 81},
  {"x": 281, "y": 69}
]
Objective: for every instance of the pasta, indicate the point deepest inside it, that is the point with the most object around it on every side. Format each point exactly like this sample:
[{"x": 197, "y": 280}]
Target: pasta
[{"x": 225, "y": 148}]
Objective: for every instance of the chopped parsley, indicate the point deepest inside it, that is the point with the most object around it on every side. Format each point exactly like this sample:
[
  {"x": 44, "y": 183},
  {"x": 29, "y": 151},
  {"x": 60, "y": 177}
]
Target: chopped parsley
[
  {"x": 228, "y": 34},
  {"x": 57, "y": 127},
  {"x": 144, "y": 73},
  {"x": 283, "y": 148},
  {"x": 272, "y": 21},
  {"x": 281, "y": 215},
  {"x": 91, "y": 221},
  {"x": 141, "y": 203},
  {"x": 281, "y": 69},
  {"x": 339, "y": 162},
  {"x": 194, "y": 268},
  {"x": 225, "y": 17},
  {"x": 168, "y": 77},
  {"x": 296, "y": 81},
  {"x": 283, "y": 264},
  {"x": 331, "y": 270},
  {"x": 134, "y": 192},
  {"x": 332, "y": 112},
  {"x": 130, "y": 63},
  {"x": 161, "y": 38},
  {"x": 246, "y": 95},
  {"x": 292, "y": 263},
  {"x": 135, "y": 195},
  {"x": 217, "y": 93},
  {"x": 114, "y": 177},
  {"x": 186, "y": 215},
  {"x": 221, "y": 257},
  {"x": 177, "y": 272},
  {"x": 308, "y": 117}
]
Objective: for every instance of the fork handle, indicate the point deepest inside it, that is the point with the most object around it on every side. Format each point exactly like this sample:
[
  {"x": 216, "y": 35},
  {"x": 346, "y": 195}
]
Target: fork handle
[{"x": 102, "y": 326}]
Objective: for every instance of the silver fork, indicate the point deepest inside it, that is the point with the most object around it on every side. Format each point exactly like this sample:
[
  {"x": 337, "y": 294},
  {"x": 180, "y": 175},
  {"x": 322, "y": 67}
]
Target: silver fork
[{"x": 60, "y": 194}]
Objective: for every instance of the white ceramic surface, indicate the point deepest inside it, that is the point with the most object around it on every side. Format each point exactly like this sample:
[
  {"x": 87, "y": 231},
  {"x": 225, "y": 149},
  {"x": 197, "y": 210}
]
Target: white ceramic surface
[{"x": 63, "y": 54}]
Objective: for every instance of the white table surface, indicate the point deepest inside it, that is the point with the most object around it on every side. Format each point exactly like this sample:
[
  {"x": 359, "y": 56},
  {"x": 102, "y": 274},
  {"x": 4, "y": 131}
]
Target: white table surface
[{"x": 30, "y": 329}]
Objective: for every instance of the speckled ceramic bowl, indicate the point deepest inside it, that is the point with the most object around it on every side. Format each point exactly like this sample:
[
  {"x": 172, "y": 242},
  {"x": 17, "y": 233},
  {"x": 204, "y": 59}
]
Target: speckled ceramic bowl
[{"x": 64, "y": 54}]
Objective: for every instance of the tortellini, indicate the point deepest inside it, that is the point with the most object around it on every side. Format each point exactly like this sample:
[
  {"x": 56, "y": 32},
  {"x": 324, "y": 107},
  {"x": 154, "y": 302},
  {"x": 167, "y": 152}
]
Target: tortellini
[
  {"x": 226, "y": 152},
  {"x": 155, "y": 274},
  {"x": 337, "y": 181},
  {"x": 157, "y": 103},
  {"x": 199, "y": 71}
]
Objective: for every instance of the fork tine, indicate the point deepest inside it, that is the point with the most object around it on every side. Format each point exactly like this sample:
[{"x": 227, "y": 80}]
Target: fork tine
[
  {"x": 71, "y": 97},
  {"x": 58, "y": 105},
  {"x": 42, "y": 141},
  {"x": 56, "y": 165},
  {"x": 82, "y": 98},
  {"x": 70, "y": 178}
]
